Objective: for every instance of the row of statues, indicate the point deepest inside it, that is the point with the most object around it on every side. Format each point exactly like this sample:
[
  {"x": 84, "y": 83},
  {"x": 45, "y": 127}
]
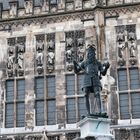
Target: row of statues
[
  {"x": 15, "y": 59},
  {"x": 71, "y": 53},
  {"x": 131, "y": 43},
  {"x": 40, "y": 56}
]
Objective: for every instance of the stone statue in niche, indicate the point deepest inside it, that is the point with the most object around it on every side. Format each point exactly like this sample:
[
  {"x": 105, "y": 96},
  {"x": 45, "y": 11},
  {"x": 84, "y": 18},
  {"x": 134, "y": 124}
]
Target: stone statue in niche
[
  {"x": 13, "y": 10},
  {"x": 11, "y": 58},
  {"x": 39, "y": 58},
  {"x": 20, "y": 58},
  {"x": 45, "y": 6},
  {"x": 78, "y": 4},
  {"x": 51, "y": 45},
  {"x": 21, "y": 47},
  {"x": 69, "y": 53},
  {"x": 28, "y": 6},
  {"x": 81, "y": 50},
  {"x": 39, "y": 55},
  {"x": 93, "y": 70},
  {"x": 132, "y": 44},
  {"x": 40, "y": 45},
  {"x": 132, "y": 49},
  {"x": 51, "y": 57},
  {"x": 69, "y": 42},
  {"x": 121, "y": 47},
  {"x": 10, "y": 61}
]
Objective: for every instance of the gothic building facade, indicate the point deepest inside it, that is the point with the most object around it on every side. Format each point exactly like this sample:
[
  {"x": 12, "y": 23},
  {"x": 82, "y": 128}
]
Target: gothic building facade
[{"x": 40, "y": 95}]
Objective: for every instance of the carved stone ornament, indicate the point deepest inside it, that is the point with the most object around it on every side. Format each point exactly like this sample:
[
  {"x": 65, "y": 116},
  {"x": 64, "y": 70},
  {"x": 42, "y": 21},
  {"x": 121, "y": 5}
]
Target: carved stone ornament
[
  {"x": 80, "y": 53},
  {"x": 70, "y": 6},
  {"x": 50, "y": 52},
  {"x": 51, "y": 45},
  {"x": 69, "y": 42},
  {"x": 45, "y": 6},
  {"x": 120, "y": 37},
  {"x": 69, "y": 55},
  {"x": 124, "y": 134},
  {"x": 13, "y": 9},
  {"x": 28, "y": 5},
  {"x": 133, "y": 61},
  {"x": 137, "y": 133},
  {"x": 80, "y": 42},
  {"x": 50, "y": 62},
  {"x": 69, "y": 66},
  {"x": 20, "y": 64},
  {"x": 20, "y": 56},
  {"x": 121, "y": 62},
  {"x": 78, "y": 4}
]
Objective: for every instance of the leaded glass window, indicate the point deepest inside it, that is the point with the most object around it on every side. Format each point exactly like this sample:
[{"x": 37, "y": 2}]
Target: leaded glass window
[
  {"x": 10, "y": 90},
  {"x": 9, "y": 115},
  {"x": 129, "y": 99},
  {"x": 75, "y": 105},
  {"x": 39, "y": 112},
  {"x": 135, "y": 100},
  {"x": 124, "y": 106},
  {"x": 20, "y": 114},
  {"x": 51, "y": 118},
  {"x": 14, "y": 105},
  {"x": 45, "y": 104}
]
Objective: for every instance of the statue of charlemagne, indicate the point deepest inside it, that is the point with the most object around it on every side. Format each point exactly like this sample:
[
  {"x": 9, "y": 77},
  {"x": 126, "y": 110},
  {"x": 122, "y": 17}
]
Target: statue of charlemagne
[{"x": 93, "y": 70}]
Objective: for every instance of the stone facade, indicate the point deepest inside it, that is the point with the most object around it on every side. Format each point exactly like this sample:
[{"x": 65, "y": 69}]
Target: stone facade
[{"x": 42, "y": 40}]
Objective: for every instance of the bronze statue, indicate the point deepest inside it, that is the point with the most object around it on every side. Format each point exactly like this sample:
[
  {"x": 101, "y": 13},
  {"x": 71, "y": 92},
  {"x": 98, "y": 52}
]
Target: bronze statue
[{"x": 93, "y": 70}]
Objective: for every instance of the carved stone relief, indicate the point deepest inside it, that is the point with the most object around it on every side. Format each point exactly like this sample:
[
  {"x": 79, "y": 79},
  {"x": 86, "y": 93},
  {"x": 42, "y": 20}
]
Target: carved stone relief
[
  {"x": 13, "y": 9},
  {"x": 78, "y": 4},
  {"x": 45, "y": 6},
  {"x": 86, "y": 4},
  {"x": 28, "y": 5},
  {"x": 70, "y": 6}
]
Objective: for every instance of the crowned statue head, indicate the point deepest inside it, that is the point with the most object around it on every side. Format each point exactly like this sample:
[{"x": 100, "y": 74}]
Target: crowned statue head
[{"x": 91, "y": 55}]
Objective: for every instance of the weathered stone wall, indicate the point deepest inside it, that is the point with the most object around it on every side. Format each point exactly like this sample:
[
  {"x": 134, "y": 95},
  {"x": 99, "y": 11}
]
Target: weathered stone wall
[{"x": 97, "y": 30}]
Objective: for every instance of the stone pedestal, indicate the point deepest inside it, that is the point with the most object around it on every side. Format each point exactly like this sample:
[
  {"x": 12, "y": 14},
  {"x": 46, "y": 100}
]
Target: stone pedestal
[{"x": 98, "y": 128}]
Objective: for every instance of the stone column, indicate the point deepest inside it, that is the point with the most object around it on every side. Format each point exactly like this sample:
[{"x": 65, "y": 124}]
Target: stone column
[
  {"x": 29, "y": 81},
  {"x": 99, "y": 25},
  {"x": 60, "y": 78}
]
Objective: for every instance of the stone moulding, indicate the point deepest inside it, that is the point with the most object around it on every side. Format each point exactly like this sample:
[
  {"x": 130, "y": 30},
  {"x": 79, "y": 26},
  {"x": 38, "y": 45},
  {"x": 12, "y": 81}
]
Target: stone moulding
[{"x": 56, "y": 18}]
